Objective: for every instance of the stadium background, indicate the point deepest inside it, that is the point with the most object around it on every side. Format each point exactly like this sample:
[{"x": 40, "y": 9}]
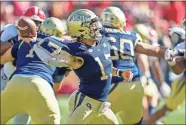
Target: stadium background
[{"x": 159, "y": 15}]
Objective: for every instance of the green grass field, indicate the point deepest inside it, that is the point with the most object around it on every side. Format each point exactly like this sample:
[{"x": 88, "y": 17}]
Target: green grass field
[{"x": 175, "y": 117}]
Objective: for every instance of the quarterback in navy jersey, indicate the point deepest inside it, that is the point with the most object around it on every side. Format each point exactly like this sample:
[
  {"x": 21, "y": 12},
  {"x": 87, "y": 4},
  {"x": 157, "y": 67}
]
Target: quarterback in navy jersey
[
  {"x": 126, "y": 98},
  {"x": 32, "y": 80},
  {"x": 88, "y": 54}
]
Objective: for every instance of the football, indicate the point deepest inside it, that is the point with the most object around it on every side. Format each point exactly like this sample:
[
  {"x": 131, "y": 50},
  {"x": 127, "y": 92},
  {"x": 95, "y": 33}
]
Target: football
[{"x": 26, "y": 27}]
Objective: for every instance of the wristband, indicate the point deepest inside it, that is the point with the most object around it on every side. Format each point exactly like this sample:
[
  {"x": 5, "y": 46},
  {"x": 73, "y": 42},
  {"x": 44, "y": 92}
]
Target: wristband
[
  {"x": 147, "y": 74},
  {"x": 119, "y": 73}
]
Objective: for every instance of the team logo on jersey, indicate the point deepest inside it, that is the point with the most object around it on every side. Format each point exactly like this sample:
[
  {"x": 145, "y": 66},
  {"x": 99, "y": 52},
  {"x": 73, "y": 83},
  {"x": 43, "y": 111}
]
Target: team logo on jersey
[{"x": 89, "y": 106}]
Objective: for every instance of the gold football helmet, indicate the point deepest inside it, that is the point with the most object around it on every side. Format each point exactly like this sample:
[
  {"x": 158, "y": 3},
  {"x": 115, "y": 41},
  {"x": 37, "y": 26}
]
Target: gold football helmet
[
  {"x": 53, "y": 27},
  {"x": 142, "y": 30},
  {"x": 84, "y": 24},
  {"x": 113, "y": 17}
]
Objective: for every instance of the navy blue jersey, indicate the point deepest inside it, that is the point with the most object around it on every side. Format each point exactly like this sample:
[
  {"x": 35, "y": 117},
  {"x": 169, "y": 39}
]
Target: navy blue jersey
[
  {"x": 123, "y": 51},
  {"x": 28, "y": 63},
  {"x": 95, "y": 73},
  {"x": 59, "y": 74}
]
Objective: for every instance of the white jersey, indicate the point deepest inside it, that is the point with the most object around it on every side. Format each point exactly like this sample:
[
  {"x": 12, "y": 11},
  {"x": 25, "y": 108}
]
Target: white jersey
[
  {"x": 181, "y": 46},
  {"x": 8, "y": 32}
]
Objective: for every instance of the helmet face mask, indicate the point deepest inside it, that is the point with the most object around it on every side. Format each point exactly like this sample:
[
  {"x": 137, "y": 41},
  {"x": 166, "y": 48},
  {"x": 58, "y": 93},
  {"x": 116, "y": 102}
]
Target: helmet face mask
[
  {"x": 177, "y": 35},
  {"x": 95, "y": 30},
  {"x": 84, "y": 24},
  {"x": 175, "y": 38}
]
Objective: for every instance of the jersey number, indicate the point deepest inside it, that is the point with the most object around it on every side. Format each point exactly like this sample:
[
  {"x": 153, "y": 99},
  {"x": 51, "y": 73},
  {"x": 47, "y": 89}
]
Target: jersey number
[
  {"x": 123, "y": 43},
  {"x": 103, "y": 74},
  {"x": 50, "y": 44},
  {"x": 31, "y": 52}
]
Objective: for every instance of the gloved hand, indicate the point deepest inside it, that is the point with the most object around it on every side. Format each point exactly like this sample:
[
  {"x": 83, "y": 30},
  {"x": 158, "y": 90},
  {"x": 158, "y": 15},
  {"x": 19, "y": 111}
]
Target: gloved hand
[
  {"x": 170, "y": 54},
  {"x": 126, "y": 74},
  {"x": 165, "y": 89},
  {"x": 150, "y": 88}
]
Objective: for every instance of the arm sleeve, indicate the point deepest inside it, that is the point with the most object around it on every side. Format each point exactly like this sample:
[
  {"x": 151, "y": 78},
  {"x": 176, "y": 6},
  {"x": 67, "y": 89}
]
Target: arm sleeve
[
  {"x": 59, "y": 74},
  {"x": 15, "y": 49}
]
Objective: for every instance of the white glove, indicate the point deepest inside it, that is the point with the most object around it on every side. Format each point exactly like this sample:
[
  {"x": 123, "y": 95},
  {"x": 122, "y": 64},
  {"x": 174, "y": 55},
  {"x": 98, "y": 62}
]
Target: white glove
[
  {"x": 165, "y": 89},
  {"x": 170, "y": 54}
]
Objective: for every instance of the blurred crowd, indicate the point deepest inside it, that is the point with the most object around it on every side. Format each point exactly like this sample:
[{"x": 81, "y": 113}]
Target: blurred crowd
[{"x": 159, "y": 16}]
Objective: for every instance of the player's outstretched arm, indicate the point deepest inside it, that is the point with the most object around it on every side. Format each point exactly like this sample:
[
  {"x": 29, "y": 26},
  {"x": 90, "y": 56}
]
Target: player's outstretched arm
[
  {"x": 156, "y": 116},
  {"x": 7, "y": 56},
  {"x": 150, "y": 50},
  {"x": 178, "y": 66}
]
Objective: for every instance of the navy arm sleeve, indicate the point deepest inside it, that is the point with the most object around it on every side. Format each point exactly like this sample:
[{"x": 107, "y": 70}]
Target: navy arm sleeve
[
  {"x": 15, "y": 49},
  {"x": 59, "y": 74}
]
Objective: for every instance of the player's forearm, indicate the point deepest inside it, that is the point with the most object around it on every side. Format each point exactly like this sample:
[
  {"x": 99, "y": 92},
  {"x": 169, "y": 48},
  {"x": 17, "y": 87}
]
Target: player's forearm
[
  {"x": 144, "y": 64},
  {"x": 58, "y": 81},
  {"x": 159, "y": 114},
  {"x": 157, "y": 71},
  {"x": 57, "y": 87},
  {"x": 4, "y": 46},
  {"x": 179, "y": 67},
  {"x": 156, "y": 51},
  {"x": 6, "y": 57},
  {"x": 116, "y": 72}
]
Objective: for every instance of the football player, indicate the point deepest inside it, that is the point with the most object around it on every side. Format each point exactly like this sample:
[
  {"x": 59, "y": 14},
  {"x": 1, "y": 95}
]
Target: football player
[
  {"x": 88, "y": 54},
  {"x": 177, "y": 95},
  {"x": 145, "y": 63},
  {"x": 126, "y": 98},
  {"x": 177, "y": 34},
  {"x": 30, "y": 85},
  {"x": 9, "y": 33}
]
